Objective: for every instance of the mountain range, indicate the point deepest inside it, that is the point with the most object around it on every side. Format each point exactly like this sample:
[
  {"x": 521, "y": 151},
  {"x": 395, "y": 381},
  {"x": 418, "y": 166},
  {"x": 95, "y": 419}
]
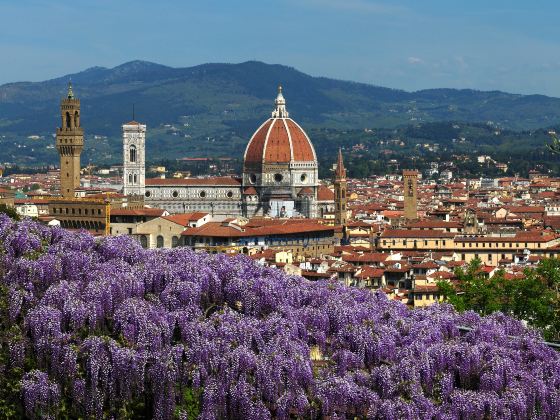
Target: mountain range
[{"x": 218, "y": 98}]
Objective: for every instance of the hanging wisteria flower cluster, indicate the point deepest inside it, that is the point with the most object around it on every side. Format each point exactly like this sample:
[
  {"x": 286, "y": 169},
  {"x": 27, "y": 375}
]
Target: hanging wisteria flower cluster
[{"x": 113, "y": 330}]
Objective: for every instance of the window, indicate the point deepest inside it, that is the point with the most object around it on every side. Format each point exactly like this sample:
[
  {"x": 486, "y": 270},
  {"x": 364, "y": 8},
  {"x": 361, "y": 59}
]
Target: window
[
  {"x": 443, "y": 243},
  {"x": 489, "y": 257},
  {"x": 174, "y": 241},
  {"x": 303, "y": 177},
  {"x": 278, "y": 177},
  {"x": 229, "y": 194},
  {"x": 202, "y": 194},
  {"x": 144, "y": 241},
  {"x": 252, "y": 178},
  {"x": 132, "y": 153},
  {"x": 175, "y": 194},
  {"x": 130, "y": 178},
  {"x": 135, "y": 179},
  {"x": 159, "y": 241},
  {"x": 462, "y": 257}
]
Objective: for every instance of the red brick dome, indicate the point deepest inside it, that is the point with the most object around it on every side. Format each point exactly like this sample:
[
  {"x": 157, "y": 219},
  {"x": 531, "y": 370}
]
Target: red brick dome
[{"x": 279, "y": 140}]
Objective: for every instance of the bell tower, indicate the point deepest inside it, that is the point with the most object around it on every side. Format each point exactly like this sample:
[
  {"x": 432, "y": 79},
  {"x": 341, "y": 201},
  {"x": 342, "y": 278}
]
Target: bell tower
[
  {"x": 340, "y": 197},
  {"x": 69, "y": 143},
  {"x": 134, "y": 151},
  {"x": 410, "y": 179}
]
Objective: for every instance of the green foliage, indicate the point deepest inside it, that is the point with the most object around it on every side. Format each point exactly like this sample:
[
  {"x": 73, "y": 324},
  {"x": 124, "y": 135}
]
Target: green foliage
[
  {"x": 10, "y": 211},
  {"x": 554, "y": 147},
  {"x": 533, "y": 298}
]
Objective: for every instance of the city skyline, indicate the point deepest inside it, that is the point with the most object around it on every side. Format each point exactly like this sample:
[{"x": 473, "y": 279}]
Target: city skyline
[{"x": 507, "y": 46}]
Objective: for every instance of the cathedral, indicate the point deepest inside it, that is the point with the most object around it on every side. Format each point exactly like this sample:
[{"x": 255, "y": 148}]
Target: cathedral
[{"x": 279, "y": 179}]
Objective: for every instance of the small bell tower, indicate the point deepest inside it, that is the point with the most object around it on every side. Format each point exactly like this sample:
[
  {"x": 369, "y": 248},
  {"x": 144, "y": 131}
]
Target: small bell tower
[
  {"x": 340, "y": 197},
  {"x": 69, "y": 143}
]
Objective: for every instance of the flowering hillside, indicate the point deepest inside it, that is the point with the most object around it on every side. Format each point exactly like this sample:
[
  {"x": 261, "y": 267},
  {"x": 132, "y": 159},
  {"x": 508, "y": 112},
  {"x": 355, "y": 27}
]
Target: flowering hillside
[{"x": 104, "y": 328}]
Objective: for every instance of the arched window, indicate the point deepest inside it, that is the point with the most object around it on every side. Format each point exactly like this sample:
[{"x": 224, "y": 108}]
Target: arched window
[
  {"x": 132, "y": 153},
  {"x": 144, "y": 241},
  {"x": 174, "y": 241},
  {"x": 130, "y": 178},
  {"x": 68, "y": 123},
  {"x": 159, "y": 241},
  {"x": 135, "y": 179},
  {"x": 77, "y": 119}
]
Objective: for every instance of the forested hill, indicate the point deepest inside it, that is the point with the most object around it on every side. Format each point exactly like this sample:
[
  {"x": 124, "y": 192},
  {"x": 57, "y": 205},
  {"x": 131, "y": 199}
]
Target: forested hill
[{"x": 220, "y": 98}]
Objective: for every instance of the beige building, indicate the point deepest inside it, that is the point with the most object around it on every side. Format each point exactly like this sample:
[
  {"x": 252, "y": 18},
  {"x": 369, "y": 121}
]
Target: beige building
[
  {"x": 165, "y": 231},
  {"x": 489, "y": 249}
]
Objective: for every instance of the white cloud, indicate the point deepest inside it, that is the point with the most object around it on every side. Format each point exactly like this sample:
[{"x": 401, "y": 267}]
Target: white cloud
[{"x": 415, "y": 60}]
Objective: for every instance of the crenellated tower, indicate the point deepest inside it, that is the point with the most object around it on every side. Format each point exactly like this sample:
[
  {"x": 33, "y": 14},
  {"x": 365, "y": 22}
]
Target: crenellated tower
[
  {"x": 69, "y": 143},
  {"x": 340, "y": 196}
]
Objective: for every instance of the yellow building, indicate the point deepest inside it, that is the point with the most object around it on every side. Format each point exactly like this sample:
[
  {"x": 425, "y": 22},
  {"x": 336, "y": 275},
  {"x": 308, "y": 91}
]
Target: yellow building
[{"x": 489, "y": 249}]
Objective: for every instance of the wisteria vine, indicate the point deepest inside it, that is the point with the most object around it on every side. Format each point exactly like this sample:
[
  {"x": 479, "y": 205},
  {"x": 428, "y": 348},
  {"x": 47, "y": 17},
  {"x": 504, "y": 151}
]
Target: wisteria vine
[{"x": 108, "y": 329}]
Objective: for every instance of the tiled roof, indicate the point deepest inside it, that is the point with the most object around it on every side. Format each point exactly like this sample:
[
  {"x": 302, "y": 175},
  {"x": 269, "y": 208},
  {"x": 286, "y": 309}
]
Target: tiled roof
[
  {"x": 324, "y": 193},
  {"x": 400, "y": 233},
  {"x": 250, "y": 191},
  {"x": 222, "y": 230},
  {"x": 214, "y": 181},
  {"x": 183, "y": 219},
  {"x": 279, "y": 140},
  {"x": 137, "y": 212}
]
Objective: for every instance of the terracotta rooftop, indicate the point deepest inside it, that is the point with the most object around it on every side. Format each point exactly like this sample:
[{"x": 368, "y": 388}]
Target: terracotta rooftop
[
  {"x": 279, "y": 140},
  {"x": 137, "y": 212},
  {"x": 401, "y": 233},
  {"x": 324, "y": 193},
  {"x": 214, "y": 181},
  {"x": 222, "y": 230},
  {"x": 183, "y": 219}
]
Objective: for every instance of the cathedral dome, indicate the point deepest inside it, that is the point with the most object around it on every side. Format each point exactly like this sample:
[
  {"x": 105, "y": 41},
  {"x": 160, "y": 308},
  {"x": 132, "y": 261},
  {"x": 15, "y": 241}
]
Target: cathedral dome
[{"x": 279, "y": 140}]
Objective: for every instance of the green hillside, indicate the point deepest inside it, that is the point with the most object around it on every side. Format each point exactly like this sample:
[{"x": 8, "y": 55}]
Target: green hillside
[{"x": 212, "y": 109}]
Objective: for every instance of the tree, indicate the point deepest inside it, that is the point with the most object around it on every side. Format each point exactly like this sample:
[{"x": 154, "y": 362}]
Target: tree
[
  {"x": 534, "y": 298},
  {"x": 554, "y": 147},
  {"x": 10, "y": 211}
]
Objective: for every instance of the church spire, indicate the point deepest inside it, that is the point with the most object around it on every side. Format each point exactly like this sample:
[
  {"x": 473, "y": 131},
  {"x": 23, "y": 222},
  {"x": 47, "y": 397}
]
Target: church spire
[
  {"x": 340, "y": 198},
  {"x": 340, "y": 172},
  {"x": 70, "y": 91},
  {"x": 280, "y": 102}
]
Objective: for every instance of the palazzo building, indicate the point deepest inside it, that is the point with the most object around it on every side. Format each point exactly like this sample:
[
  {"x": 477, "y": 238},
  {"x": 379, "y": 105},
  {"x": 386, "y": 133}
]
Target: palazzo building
[{"x": 280, "y": 177}]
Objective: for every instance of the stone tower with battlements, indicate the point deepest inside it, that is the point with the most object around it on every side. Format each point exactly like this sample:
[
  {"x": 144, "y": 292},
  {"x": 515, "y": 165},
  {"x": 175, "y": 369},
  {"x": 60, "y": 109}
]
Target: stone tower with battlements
[
  {"x": 134, "y": 163},
  {"x": 69, "y": 143},
  {"x": 340, "y": 192},
  {"x": 410, "y": 179}
]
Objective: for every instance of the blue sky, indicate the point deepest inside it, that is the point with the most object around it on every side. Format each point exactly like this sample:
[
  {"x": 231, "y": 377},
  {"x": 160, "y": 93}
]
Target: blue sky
[{"x": 506, "y": 45}]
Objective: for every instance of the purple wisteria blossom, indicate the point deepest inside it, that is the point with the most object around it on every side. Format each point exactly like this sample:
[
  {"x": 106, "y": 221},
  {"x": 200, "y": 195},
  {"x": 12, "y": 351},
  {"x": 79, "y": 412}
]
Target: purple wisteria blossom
[{"x": 113, "y": 328}]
